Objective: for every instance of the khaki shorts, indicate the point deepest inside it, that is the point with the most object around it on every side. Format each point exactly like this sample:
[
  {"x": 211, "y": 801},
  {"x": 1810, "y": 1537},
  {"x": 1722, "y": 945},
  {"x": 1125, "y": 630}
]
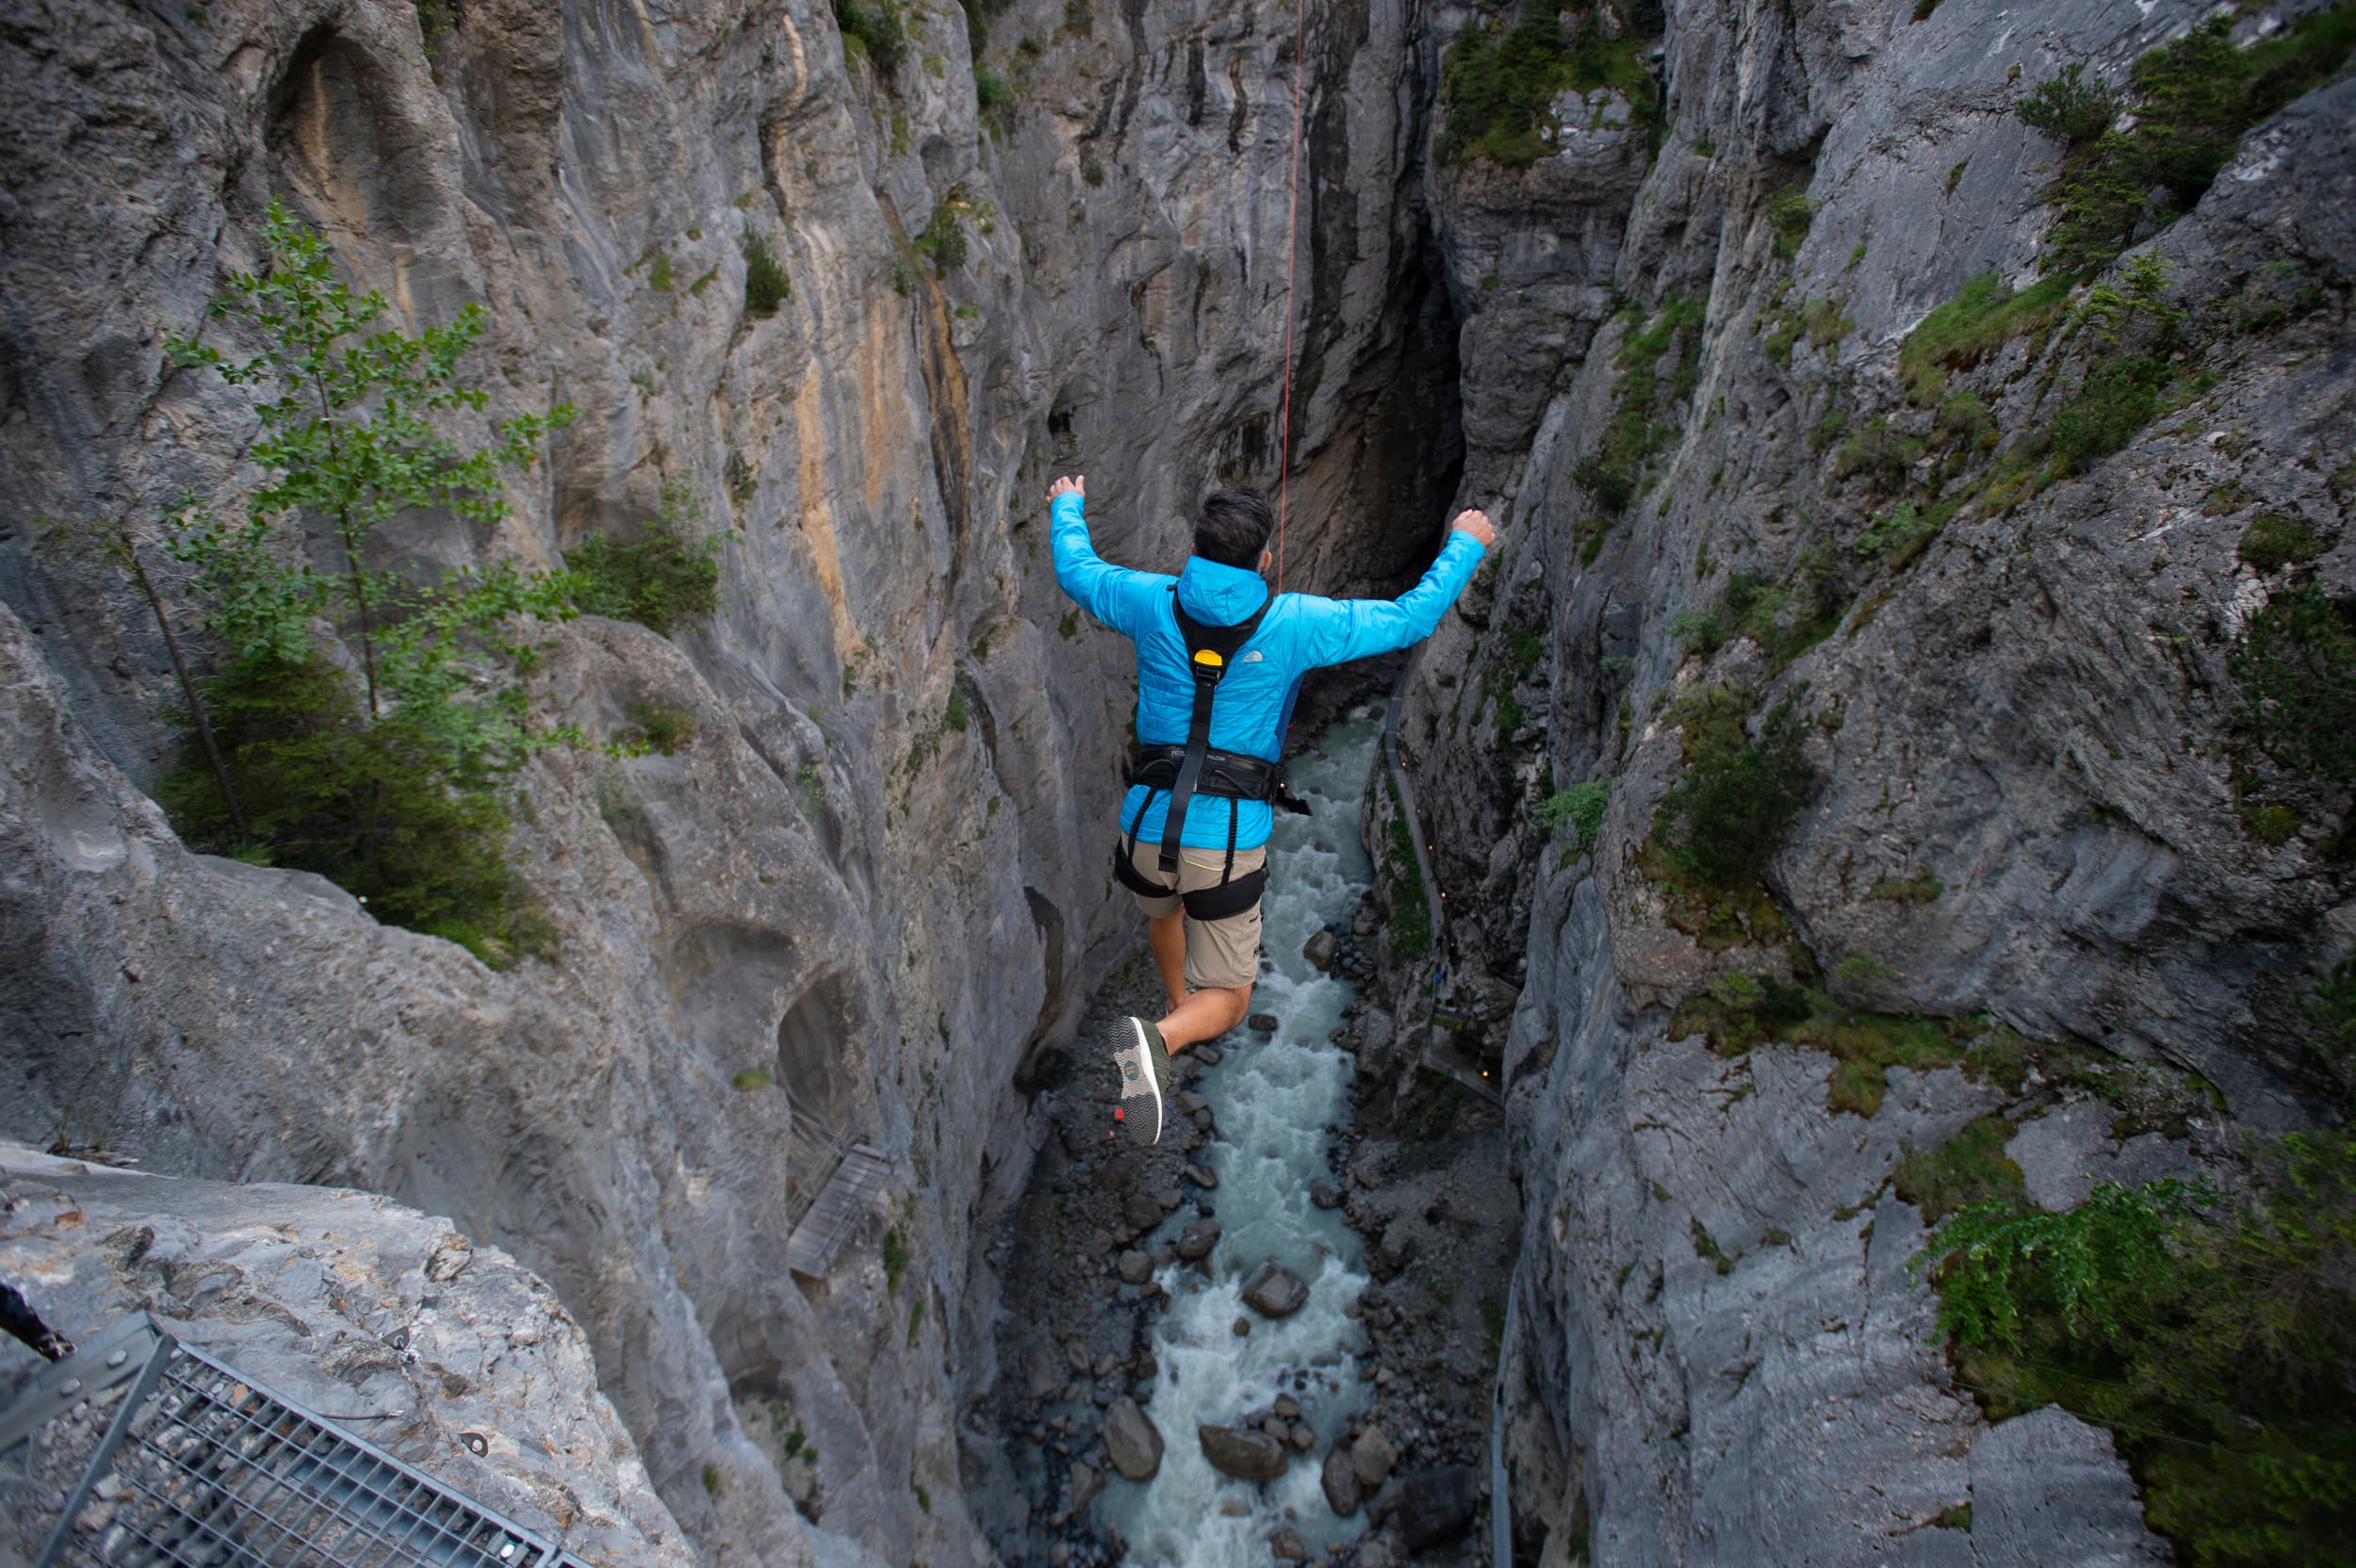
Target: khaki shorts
[{"x": 1222, "y": 955}]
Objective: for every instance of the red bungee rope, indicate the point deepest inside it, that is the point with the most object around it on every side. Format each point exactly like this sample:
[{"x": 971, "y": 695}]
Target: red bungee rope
[{"x": 1292, "y": 204}]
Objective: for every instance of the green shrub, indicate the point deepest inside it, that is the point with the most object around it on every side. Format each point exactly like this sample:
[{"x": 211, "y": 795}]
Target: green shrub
[
  {"x": 1410, "y": 924},
  {"x": 1739, "y": 1013},
  {"x": 2217, "y": 1345},
  {"x": 1863, "y": 971},
  {"x": 1580, "y": 808},
  {"x": 1612, "y": 487},
  {"x": 1727, "y": 817},
  {"x": 1790, "y": 213},
  {"x": 661, "y": 728},
  {"x": 2192, "y": 100},
  {"x": 2296, "y": 664},
  {"x": 1902, "y": 533},
  {"x": 1631, "y": 437},
  {"x": 1986, "y": 316},
  {"x": 2117, "y": 398},
  {"x": 1878, "y": 452},
  {"x": 2271, "y": 822},
  {"x": 2068, "y": 108},
  {"x": 1964, "y": 420},
  {"x": 895, "y": 1258},
  {"x": 943, "y": 240},
  {"x": 2274, "y": 541},
  {"x": 1785, "y": 620},
  {"x": 664, "y": 577},
  {"x": 375, "y": 808},
  {"x": 872, "y": 27},
  {"x": 766, "y": 286},
  {"x": 1970, "y": 1168},
  {"x": 1919, "y": 888},
  {"x": 1499, "y": 82},
  {"x": 991, "y": 93}
]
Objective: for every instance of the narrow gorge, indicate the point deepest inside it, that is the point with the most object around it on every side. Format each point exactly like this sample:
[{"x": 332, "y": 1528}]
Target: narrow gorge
[{"x": 1826, "y": 1037}]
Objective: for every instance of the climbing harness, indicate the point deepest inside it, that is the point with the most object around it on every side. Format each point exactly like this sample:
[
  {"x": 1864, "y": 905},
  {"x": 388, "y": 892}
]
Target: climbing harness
[
  {"x": 1292, "y": 205},
  {"x": 1199, "y": 768}
]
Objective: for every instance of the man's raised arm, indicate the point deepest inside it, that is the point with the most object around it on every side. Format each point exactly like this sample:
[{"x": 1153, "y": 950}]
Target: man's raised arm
[
  {"x": 1107, "y": 592},
  {"x": 1360, "y": 629}
]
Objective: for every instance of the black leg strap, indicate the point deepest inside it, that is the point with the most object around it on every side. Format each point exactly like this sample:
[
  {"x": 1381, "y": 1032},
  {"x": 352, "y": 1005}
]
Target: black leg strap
[{"x": 1228, "y": 898}]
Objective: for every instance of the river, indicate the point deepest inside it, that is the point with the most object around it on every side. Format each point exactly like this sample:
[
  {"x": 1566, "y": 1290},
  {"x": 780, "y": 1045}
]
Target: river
[{"x": 1273, "y": 1103}]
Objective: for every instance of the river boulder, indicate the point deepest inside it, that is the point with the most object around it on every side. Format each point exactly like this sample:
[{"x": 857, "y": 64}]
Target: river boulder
[
  {"x": 1196, "y": 1241},
  {"x": 1372, "y": 1456},
  {"x": 1132, "y": 1440},
  {"x": 1341, "y": 1481},
  {"x": 1276, "y": 1291},
  {"x": 1243, "y": 1453},
  {"x": 1432, "y": 1506}
]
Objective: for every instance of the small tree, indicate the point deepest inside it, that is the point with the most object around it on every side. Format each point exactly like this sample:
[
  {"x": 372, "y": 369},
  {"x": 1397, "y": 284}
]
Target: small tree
[
  {"x": 348, "y": 435},
  {"x": 389, "y": 791}
]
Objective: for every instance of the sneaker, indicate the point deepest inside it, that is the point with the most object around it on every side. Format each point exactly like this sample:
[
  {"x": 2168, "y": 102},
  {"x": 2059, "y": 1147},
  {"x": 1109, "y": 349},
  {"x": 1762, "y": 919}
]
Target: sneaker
[{"x": 1143, "y": 1067}]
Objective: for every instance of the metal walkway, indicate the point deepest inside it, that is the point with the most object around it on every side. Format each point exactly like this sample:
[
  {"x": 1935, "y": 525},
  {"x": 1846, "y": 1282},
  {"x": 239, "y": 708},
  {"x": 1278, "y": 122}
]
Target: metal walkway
[
  {"x": 844, "y": 1186},
  {"x": 198, "y": 1466}
]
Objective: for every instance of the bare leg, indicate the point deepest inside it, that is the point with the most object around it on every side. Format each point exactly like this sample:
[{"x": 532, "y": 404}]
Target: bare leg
[
  {"x": 1204, "y": 1016},
  {"x": 1167, "y": 936}
]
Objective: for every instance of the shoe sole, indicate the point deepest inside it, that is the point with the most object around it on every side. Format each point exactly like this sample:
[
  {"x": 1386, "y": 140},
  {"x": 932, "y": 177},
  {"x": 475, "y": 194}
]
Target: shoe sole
[{"x": 1140, "y": 1113}]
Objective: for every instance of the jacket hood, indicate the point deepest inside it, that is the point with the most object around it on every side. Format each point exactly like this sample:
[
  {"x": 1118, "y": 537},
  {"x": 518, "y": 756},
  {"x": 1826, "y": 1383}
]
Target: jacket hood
[{"x": 1218, "y": 595}]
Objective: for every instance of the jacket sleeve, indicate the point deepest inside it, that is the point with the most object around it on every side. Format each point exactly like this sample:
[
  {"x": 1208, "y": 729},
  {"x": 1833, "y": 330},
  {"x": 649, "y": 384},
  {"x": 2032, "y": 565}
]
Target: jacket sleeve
[
  {"x": 1114, "y": 595},
  {"x": 1343, "y": 629}
]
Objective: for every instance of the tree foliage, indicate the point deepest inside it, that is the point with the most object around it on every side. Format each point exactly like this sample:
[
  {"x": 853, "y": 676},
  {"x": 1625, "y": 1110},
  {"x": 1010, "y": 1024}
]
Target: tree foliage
[
  {"x": 2216, "y": 1340},
  {"x": 1727, "y": 816},
  {"x": 390, "y": 789}
]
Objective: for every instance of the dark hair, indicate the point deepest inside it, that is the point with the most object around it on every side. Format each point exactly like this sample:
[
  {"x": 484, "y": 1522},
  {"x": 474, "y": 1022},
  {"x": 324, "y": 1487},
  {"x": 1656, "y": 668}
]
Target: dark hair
[{"x": 1233, "y": 528}]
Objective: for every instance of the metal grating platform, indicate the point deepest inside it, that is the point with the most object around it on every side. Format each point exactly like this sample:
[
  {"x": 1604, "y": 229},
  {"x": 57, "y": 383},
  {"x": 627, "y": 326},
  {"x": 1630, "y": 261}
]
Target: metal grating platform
[
  {"x": 198, "y": 1466},
  {"x": 846, "y": 1197}
]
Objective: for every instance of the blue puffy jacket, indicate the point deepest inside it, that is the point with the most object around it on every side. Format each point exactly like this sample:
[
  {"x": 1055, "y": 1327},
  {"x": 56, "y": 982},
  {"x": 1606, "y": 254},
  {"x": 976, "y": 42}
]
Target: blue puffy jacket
[{"x": 1300, "y": 633}]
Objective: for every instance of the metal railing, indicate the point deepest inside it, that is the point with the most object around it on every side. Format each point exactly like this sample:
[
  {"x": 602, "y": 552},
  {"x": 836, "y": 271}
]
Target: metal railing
[{"x": 200, "y": 1466}]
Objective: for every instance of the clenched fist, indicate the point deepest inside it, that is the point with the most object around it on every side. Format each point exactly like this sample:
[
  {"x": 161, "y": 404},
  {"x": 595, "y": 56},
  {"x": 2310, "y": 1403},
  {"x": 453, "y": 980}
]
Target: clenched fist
[{"x": 1476, "y": 522}]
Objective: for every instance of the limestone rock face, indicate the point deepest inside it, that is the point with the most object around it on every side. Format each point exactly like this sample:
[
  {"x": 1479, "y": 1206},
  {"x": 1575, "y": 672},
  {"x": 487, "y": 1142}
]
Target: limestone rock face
[
  {"x": 2024, "y": 734},
  {"x": 343, "y": 1302},
  {"x": 866, "y": 899}
]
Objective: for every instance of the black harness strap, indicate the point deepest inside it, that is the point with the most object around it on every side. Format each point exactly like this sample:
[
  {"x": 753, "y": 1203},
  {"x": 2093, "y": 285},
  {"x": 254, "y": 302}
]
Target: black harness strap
[{"x": 1208, "y": 649}]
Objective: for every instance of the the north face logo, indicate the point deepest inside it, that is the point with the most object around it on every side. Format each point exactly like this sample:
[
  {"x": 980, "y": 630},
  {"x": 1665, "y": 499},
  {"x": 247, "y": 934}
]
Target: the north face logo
[{"x": 1252, "y": 658}]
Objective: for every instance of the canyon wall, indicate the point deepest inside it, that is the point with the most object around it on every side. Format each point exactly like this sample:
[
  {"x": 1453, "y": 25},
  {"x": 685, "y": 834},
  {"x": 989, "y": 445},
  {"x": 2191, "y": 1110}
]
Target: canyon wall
[
  {"x": 2031, "y": 807},
  {"x": 1668, "y": 351},
  {"x": 868, "y": 897}
]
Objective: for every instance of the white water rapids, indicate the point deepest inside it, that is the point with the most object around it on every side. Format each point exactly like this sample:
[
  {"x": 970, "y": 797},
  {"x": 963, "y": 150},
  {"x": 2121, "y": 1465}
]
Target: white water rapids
[{"x": 1272, "y": 1103}]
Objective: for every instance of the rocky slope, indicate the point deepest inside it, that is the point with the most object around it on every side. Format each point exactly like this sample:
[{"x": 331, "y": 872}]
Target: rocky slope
[
  {"x": 2031, "y": 803},
  {"x": 440, "y": 1352},
  {"x": 797, "y": 900}
]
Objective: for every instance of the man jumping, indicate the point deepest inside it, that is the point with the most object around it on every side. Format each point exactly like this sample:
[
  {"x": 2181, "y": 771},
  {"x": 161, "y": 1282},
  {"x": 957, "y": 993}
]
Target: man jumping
[{"x": 1220, "y": 663}]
